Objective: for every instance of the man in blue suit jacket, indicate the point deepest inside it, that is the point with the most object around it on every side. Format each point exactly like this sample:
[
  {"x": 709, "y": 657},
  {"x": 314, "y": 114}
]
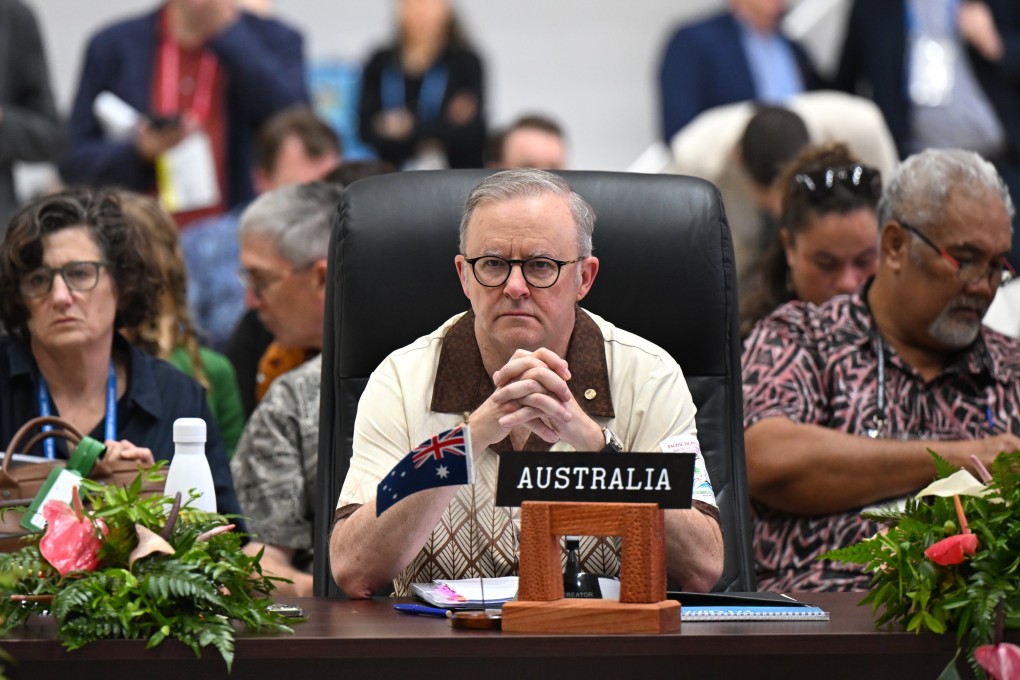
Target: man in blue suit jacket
[
  {"x": 263, "y": 61},
  {"x": 735, "y": 56}
]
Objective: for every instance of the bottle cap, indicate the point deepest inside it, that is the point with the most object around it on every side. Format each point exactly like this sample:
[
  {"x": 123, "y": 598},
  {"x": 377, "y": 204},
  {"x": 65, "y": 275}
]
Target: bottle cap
[{"x": 189, "y": 431}]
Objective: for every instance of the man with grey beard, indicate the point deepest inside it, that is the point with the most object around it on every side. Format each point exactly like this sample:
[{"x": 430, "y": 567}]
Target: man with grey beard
[{"x": 842, "y": 400}]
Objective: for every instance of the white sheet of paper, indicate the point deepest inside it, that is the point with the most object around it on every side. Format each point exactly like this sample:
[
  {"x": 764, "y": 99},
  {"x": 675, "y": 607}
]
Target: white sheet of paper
[
  {"x": 117, "y": 117},
  {"x": 610, "y": 588}
]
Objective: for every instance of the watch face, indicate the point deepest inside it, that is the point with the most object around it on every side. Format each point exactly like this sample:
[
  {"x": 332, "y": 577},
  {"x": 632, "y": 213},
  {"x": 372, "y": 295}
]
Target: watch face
[{"x": 611, "y": 441}]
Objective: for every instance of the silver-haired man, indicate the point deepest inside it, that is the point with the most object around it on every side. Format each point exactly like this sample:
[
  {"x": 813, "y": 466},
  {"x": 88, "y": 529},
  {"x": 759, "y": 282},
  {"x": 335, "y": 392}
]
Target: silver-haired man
[
  {"x": 535, "y": 371},
  {"x": 284, "y": 239},
  {"x": 838, "y": 397}
]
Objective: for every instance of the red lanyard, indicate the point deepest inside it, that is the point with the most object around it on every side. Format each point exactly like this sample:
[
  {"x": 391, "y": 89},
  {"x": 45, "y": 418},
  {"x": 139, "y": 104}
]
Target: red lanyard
[{"x": 169, "y": 76}]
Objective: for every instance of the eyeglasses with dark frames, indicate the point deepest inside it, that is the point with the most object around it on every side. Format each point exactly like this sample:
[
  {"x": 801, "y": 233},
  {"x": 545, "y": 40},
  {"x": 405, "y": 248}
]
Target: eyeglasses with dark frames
[
  {"x": 968, "y": 271},
  {"x": 80, "y": 277},
  {"x": 860, "y": 180},
  {"x": 539, "y": 272}
]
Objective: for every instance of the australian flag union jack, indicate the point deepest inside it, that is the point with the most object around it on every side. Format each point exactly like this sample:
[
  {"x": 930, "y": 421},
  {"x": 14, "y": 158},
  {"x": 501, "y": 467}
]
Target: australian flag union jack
[{"x": 441, "y": 460}]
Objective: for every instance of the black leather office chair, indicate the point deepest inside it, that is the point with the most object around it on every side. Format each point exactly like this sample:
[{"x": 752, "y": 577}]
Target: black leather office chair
[{"x": 666, "y": 273}]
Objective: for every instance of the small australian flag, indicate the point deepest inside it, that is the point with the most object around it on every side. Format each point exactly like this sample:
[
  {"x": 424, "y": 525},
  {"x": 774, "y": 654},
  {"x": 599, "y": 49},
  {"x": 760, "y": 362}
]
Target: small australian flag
[{"x": 441, "y": 460}]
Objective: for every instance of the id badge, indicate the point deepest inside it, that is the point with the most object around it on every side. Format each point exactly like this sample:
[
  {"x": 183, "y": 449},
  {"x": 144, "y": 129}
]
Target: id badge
[
  {"x": 932, "y": 69},
  {"x": 186, "y": 175}
]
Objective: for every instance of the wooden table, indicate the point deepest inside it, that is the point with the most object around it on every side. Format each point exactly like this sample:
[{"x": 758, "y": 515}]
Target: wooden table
[{"x": 368, "y": 639}]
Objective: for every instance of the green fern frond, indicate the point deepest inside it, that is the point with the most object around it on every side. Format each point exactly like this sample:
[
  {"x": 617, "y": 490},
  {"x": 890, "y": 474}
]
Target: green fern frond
[
  {"x": 943, "y": 468},
  {"x": 859, "y": 553}
]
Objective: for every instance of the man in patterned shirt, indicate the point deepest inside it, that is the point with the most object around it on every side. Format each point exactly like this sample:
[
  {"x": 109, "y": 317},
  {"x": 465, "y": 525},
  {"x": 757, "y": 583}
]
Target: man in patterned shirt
[
  {"x": 535, "y": 372},
  {"x": 274, "y": 470},
  {"x": 842, "y": 400}
]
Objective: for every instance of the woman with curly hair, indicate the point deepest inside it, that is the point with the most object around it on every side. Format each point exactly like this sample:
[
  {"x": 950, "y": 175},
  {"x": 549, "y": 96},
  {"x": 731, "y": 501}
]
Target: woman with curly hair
[
  {"x": 171, "y": 335},
  {"x": 828, "y": 235},
  {"x": 72, "y": 273}
]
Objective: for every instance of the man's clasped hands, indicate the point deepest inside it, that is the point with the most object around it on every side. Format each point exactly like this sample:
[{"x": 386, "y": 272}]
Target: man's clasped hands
[{"x": 532, "y": 395}]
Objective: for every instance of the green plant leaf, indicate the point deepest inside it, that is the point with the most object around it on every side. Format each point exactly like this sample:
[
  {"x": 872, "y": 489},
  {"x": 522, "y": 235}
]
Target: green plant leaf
[
  {"x": 909, "y": 589},
  {"x": 194, "y": 596}
]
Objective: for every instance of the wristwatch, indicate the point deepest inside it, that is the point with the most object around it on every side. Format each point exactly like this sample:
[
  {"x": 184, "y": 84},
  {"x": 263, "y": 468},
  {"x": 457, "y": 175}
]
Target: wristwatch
[{"x": 613, "y": 444}]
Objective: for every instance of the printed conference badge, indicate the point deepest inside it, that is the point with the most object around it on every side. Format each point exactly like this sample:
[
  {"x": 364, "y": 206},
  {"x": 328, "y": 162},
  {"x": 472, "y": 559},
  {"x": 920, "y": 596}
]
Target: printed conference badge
[{"x": 186, "y": 175}]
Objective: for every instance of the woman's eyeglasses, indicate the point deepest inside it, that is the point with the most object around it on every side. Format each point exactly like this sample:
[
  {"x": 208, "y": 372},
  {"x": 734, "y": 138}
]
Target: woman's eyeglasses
[
  {"x": 78, "y": 276},
  {"x": 860, "y": 180}
]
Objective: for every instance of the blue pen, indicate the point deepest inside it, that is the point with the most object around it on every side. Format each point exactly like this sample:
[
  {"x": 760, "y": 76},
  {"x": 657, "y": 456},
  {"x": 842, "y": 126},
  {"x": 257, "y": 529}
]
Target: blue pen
[
  {"x": 989, "y": 417},
  {"x": 421, "y": 610}
]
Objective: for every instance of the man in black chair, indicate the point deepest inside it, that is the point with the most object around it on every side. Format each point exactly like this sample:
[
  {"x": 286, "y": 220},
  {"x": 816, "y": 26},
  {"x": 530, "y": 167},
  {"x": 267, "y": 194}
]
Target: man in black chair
[{"x": 534, "y": 371}]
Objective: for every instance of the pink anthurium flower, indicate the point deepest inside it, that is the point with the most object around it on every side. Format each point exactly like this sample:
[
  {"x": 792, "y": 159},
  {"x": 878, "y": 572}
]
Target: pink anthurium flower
[
  {"x": 70, "y": 543},
  {"x": 1002, "y": 661},
  {"x": 954, "y": 549}
]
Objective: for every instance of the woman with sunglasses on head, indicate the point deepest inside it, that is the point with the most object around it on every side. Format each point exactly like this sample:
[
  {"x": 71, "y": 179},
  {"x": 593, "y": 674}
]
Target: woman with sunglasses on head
[
  {"x": 72, "y": 273},
  {"x": 828, "y": 238}
]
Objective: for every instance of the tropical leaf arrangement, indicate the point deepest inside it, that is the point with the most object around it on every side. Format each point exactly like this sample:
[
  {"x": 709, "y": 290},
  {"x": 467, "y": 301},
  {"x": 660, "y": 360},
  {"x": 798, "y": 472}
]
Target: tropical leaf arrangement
[
  {"x": 123, "y": 565},
  {"x": 950, "y": 560}
]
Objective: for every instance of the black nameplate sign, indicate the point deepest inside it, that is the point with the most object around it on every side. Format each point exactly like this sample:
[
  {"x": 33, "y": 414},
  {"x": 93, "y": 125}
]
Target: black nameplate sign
[{"x": 576, "y": 476}]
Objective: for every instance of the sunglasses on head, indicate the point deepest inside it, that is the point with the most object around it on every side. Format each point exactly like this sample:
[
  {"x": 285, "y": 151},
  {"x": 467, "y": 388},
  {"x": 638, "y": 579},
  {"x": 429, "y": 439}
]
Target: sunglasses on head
[{"x": 859, "y": 180}]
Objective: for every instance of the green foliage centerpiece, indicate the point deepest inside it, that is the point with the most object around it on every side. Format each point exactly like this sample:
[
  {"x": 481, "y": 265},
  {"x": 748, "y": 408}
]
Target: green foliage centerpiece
[
  {"x": 950, "y": 559},
  {"x": 137, "y": 567}
]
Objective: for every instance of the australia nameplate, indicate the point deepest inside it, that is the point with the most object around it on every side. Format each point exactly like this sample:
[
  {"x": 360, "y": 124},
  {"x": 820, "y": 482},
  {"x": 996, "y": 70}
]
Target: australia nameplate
[{"x": 574, "y": 476}]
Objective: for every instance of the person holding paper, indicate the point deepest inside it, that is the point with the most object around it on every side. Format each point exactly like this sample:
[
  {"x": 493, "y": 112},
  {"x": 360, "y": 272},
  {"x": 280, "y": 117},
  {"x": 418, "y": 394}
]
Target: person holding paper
[
  {"x": 203, "y": 75},
  {"x": 73, "y": 271},
  {"x": 535, "y": 371},
  {"x": 843, "y": 399}
]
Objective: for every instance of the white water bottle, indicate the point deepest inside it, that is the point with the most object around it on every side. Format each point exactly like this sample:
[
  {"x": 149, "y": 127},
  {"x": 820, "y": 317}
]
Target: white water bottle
[{"x": 189, "y": 468}]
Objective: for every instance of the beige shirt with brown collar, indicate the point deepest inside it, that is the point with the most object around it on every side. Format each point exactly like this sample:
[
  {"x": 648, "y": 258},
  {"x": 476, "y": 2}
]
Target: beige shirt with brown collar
[{"x": 621, "y": 381}]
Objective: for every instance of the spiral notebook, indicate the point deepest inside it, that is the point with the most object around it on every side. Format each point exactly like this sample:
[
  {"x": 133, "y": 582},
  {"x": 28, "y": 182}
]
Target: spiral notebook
[{"x": 745, "y": 607}]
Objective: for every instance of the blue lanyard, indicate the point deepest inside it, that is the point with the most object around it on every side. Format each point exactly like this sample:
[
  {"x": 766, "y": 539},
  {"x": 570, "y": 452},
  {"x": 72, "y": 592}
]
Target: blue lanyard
[
  {"x": 110, "y": 427},
  {"x": 430, "y": 97}
]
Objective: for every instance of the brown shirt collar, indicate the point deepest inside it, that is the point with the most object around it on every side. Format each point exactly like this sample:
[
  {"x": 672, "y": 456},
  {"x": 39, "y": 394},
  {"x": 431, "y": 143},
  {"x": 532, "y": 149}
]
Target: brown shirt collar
[{"x": 462, "y": 383}]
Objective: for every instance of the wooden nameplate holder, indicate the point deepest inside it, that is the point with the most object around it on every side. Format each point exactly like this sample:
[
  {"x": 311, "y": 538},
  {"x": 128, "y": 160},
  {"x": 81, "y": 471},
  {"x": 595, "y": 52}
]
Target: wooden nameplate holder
[{"x": 540, "y": 606}]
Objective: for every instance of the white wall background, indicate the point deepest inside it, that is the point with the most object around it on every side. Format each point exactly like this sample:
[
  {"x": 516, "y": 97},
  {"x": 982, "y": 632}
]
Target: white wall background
[{"x": 591, "y": 64}]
